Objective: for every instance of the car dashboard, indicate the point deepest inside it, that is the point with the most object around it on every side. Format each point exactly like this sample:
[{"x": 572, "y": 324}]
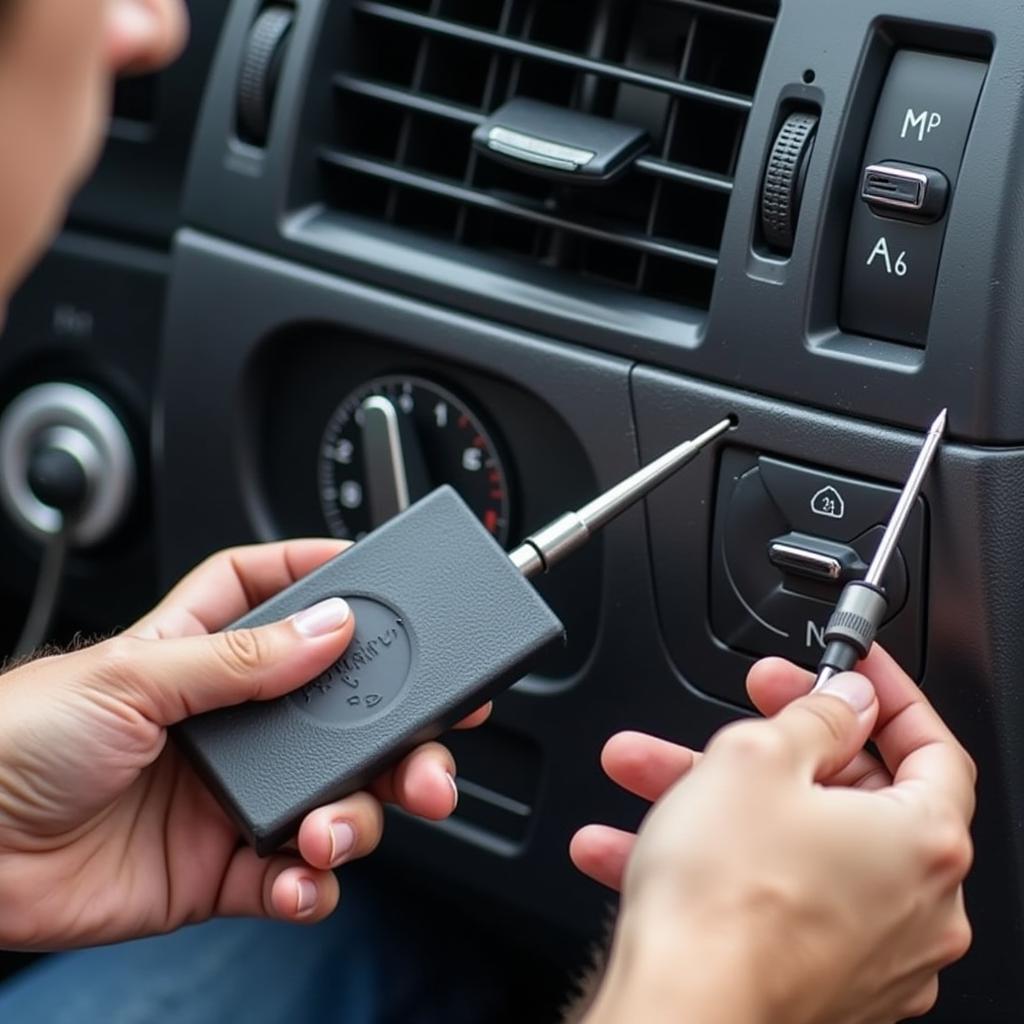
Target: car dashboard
[{"x": 812, "y": 224}]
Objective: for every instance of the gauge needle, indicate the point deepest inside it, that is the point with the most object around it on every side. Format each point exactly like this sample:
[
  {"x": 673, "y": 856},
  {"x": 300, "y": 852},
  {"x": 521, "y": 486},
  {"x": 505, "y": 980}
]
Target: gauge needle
[
  {"x": 396, "y": 474},
  {"x": 386, "y": 481}
]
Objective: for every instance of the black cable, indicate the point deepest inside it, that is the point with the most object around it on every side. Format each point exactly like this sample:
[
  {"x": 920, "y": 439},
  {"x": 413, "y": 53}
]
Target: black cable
[{"x": 47, "y": 594}]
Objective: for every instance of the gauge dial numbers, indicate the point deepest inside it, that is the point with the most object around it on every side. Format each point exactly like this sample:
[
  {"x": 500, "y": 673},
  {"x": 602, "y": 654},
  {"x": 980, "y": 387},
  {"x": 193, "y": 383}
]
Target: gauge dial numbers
[{"x": 391, "y": 442}]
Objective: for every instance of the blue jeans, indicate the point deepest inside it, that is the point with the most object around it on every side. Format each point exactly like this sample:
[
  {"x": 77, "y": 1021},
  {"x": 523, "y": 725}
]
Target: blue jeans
[{"x": 371, "y": 963}]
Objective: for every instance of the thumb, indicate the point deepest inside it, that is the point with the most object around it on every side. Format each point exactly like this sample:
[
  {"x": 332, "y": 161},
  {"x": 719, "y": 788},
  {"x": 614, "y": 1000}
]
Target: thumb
[
  {"x": 827, "y": 729},
  {"x": 171, "y": 680},
  {"x": 773, "y": 683}
]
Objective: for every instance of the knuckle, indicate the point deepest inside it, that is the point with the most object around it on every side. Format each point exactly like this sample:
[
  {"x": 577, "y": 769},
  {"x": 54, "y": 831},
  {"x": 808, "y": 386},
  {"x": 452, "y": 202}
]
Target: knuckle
[
  {"x": 243, "y": 650},
  {"x": 947, "y": 846},
  {"x": 972, "y": 766},
  {"x": 119, "y": 658},
  {"x": 219, "y": 559},
  {"x": 750, "y": 741},
  {"x": 957, "y": 941},
  {"x": 964, "y": 856},
  {"x": 223, "y": 563},
  {"x": 923, "y": 1001}
]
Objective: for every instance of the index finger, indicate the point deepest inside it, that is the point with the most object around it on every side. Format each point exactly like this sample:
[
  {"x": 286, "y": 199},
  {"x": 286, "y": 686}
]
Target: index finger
[
  {"x": 159, "y": 46},
  {"x": 231, "y": 583},
  {"x": 917, "y": 746}
]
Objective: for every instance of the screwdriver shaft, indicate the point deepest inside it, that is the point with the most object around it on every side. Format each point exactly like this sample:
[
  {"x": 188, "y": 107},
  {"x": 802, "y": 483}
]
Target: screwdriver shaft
[
  {"x": 863, "y": 604},
  {"x": 603, "y": 509},
  {"x": 548, "y": 546},
  {"x": 905, "y": 505}
]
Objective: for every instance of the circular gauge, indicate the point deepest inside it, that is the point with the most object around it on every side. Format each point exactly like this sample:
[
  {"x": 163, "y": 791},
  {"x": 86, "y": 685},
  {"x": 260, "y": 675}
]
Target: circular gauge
[{"x": 395, "y": 439}]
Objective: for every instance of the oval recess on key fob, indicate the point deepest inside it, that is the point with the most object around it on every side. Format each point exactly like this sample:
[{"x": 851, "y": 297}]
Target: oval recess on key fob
[{"x": 371, "y": 675}]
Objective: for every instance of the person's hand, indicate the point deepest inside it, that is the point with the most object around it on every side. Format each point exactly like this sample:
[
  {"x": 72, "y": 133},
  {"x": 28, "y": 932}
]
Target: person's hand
[
  {"x": 802, "y": 880},
  {"x": 106, "y": 833},
  {"x": 145, "y": 35}
]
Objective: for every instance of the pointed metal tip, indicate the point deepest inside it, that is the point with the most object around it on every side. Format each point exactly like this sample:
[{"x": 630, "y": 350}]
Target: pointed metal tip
[
  {"x": 715, "y": 432},
  {"x": 597, "y": 513}
]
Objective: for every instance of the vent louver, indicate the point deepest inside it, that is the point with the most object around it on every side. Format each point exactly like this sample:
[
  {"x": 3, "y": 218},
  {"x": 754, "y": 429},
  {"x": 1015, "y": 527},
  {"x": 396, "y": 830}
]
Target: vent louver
[{"x": 424, "y": 73}]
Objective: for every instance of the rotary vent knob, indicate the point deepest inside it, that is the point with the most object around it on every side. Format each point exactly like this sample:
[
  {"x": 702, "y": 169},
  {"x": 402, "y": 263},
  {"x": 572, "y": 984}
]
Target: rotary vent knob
[
  {"x": 261, "y": 69},
  {"x": 64, "y": 452},
  {"x": 783, "y": 186}
]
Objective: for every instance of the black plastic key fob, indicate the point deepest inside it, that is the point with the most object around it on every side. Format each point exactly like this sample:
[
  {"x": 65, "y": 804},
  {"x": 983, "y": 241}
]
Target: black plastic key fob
[{"x": 444, "y": 622}]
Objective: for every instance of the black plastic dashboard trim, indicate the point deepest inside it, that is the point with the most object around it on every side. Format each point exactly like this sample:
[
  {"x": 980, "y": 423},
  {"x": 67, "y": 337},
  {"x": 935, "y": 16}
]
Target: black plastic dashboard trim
[{"x": 768, "y": 331}]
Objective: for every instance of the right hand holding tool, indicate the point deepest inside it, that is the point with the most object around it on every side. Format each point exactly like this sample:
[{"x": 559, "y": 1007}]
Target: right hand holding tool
[{"x": 786, "y": 852}]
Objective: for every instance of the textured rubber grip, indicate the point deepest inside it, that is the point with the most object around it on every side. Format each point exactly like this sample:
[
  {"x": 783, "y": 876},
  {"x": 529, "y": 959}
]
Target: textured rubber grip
[
  {"x": 850, "y": 624},
  {"x": 784, "y": 180},
  {"x": 261, "y": 65},
  {"x": 857, "y": 618}
]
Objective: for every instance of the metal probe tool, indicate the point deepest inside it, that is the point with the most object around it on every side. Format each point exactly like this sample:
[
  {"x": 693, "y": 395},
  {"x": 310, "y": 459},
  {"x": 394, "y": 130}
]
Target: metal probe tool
[
  {"x": 445, "y": 619},
  {"x": 863, "y": 604},
  {"x": 542, "y": 550}
]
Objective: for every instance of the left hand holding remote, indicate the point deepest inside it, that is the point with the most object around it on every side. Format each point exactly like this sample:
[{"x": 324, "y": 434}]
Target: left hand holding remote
[{"x": 105, "y": 831}]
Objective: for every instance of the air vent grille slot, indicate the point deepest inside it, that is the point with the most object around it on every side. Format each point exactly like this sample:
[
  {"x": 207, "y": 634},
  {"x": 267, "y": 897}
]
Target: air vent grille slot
[{"x": 424, "y": 73}]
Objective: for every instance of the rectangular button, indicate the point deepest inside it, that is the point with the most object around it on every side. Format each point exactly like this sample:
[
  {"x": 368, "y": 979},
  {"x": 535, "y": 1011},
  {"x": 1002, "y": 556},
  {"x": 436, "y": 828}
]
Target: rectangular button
[
  {"x": 923, "y": 119},
  {"x": 905, "y": 191},
  {"x": 899, "y": 188}
]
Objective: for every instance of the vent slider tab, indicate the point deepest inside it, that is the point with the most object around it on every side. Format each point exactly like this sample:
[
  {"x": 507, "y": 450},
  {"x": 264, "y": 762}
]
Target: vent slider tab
[{"x": 559, "y": 143}]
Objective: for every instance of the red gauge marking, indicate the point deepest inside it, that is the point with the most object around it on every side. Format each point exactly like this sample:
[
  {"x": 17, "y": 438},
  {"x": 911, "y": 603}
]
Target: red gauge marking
[
  {"x": 463, "y": 422},
  {"x": 491, "y": 521}
]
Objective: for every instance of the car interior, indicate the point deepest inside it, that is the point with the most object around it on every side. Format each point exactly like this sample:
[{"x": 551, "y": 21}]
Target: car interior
[{"x": 557, "y": 238}]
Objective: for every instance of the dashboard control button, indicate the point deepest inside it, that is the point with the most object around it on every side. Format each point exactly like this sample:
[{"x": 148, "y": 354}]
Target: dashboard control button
[
  {"x": 62, "y": 450},
  {"x": 904, "y": 191},
  {"x": 824, "y": 504},
  {"x": 59, "y": 470},
  {"x": 815, "y": 559},
  {"x": 541, "y": 138},
  {"x": 920, "y": 132},
  {"x": 782, "y": 191},
  {"x": 787, "y": 540},
  {"x": 261, "y": 69}
]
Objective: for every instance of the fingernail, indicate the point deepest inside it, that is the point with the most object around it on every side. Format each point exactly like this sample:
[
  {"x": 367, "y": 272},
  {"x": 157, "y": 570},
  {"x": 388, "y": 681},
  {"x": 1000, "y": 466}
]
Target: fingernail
[
  {"x": 343, "y": 839},
  {"x": 305, "y": 896},
  {"x": 855, "y": 689},
  {"x": 323, "y": 618},
  {"x": 136, "y": 21},
  {"x": 455, "y": 790}
]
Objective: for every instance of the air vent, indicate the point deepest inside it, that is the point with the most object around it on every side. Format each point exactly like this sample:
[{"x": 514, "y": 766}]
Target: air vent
[{"x": 424, "y": 73}]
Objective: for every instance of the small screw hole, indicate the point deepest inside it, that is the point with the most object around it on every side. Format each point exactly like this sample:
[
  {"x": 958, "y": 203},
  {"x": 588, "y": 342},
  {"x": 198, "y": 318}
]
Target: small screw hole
[{"x": 809, "y": 76}]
